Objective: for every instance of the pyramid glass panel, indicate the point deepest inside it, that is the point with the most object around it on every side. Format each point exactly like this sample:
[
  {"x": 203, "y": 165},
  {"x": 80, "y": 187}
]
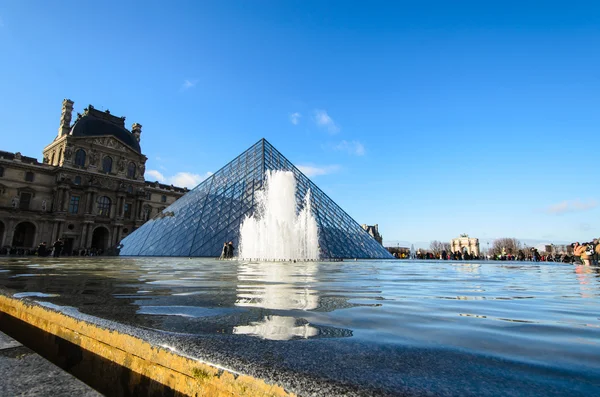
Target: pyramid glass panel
[{"x": 202, "y": 220}]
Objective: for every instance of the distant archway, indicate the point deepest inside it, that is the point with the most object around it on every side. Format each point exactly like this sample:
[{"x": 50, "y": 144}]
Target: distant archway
[
  {"x": 24, "y": 235},
  {"x": 100, "y": 238}
]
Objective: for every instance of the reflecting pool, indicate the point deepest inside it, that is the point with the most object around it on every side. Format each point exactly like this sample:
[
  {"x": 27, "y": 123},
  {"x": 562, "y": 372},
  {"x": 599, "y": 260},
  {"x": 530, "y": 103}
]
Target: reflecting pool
[{"x": 347, "y": 328}]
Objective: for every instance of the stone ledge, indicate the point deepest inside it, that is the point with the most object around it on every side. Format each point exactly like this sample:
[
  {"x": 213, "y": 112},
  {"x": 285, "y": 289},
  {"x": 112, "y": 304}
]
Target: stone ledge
[
  {"x": 120, "y": 356},
  {"x": 25, "y": 373}
]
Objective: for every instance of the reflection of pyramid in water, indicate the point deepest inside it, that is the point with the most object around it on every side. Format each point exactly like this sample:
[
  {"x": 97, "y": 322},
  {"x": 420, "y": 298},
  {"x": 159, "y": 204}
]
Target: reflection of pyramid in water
[{"x": 198, "y": 223}]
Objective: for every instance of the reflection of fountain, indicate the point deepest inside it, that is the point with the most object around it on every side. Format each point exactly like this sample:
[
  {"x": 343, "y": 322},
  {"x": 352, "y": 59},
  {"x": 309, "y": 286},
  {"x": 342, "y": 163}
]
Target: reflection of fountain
[
  {"x": 277, "y": 328},
  {"x": 277, "y": 286},
  {"x": 276, "y": 232}
]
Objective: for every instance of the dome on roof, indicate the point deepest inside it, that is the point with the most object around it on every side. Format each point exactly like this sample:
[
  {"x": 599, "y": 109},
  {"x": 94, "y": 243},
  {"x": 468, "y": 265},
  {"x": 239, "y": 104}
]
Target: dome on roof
[{"x": 96, "y": 123}]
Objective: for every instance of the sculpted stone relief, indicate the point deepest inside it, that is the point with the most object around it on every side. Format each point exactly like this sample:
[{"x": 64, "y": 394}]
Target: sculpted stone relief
[
  {"x": 93, "y": 157},
  {"x": 122, "y": 164},
  {"x": 111, "y": 143},
  {"x": 68, "y": 152}
]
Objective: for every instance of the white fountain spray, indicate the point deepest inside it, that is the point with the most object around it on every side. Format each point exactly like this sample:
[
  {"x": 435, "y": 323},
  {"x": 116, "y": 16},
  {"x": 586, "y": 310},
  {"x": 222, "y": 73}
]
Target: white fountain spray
[{"x": 275, "y": 231}]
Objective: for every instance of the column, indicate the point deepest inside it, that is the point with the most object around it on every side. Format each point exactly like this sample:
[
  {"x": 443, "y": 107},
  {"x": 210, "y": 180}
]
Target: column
[
  {"x": 10, "y": 232},
  {"x": 138, "y": 209},
  {"x": 84, "y": 232},
  {"x": 88, "y": 243},
  {"x": 92, "y": 200},
  {"x": 60, "y": 229},
  {"x": 54, "y": 233},
  {"x": 114, "y": 236},
  {"x": 88, "y": 200},
  {"x": 118, "y": 239},
  {"x": 121, "y": 201},
  {"x": 65, "y": 202}
]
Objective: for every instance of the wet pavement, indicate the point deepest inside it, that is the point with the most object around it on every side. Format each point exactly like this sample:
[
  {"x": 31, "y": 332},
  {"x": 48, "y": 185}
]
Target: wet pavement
[{"x": 345, "y": 328}]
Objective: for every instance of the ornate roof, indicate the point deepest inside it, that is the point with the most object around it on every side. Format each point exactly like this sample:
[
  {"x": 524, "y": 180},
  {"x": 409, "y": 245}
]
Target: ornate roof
[{"x": 96, "y": 123}]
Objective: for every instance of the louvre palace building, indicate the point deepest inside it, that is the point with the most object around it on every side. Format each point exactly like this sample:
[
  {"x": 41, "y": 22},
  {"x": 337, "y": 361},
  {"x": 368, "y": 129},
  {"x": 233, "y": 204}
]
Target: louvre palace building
[{"x": 89, "y": 190}]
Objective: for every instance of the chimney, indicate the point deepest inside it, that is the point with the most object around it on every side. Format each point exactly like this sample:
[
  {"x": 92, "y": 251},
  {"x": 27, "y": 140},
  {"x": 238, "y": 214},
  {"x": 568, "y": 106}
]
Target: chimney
[
  {"x": 136, "y": 130},
  {"x": 65, "y": 117}
]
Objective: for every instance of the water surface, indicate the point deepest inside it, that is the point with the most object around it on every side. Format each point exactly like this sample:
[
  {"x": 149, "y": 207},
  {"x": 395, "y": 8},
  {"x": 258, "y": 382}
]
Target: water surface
[{"x": 354, "y": 328}]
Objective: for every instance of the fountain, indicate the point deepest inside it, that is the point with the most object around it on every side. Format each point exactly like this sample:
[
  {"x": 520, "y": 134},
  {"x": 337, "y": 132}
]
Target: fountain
[{"x": 275, "y": 231}]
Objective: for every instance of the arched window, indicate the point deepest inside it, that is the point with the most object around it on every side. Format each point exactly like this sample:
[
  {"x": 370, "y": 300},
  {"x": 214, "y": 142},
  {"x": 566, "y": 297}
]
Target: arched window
[
  {"x": 131, "y": 170},
  {"x": 60, "y": 156},
  {"x": 52, "y": 159},
  {"x": 104, "y": 206},
  {"x": 80, "y": 158},
  {"x": 107, "y": 164}
]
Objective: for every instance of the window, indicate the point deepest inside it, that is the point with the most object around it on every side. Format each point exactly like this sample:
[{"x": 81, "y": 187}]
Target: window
[
  {"x": 74, "y": 205},
  {"x": 80, "y": 158},
  {"x": 131, "y": 170},
  {"x": 148, "y": 196},
  {"x": 127, "y": 211},
  {"x": 77, "y": 180},
  {"x": 1, "y": 171},
  {"x": 107, "y": 164},
  {"x": 29, "y": 176},
  {"x": 24, "y": 201},
  {"x": 130, "y": 189},
  {"x": 52, "y": 160},
  {"x": 163, "y": 199},
  {"x": 60, "y": 156},
  {"x": 104, "y": 206}
]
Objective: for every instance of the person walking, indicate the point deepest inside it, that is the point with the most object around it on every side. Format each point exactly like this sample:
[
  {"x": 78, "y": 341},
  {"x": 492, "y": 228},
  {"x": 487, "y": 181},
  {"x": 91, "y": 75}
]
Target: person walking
[
  {"x": 230, "y": 250},
  {"x": 57, "y": 248},
  {"x": 225, "y": 251}
]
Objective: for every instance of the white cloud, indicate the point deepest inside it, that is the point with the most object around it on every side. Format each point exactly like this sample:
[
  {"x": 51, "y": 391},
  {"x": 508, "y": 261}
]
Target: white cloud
[
  {"x": 351, "y": 147},
  {"x": 154, "y": 174},
  {"x": 187, "y": 84},
  {"x": 311, "y": 170},
  {"x": 180, "y": 179},
  {"x": 323, "y": 120},
  {"x": 187, "y": 179},
  {"x": 295, "y": 118},
  {"x": 571, "y": 206}
]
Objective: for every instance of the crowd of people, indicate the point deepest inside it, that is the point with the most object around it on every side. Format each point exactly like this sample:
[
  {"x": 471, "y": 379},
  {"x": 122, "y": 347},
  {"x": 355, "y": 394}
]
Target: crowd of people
[
  {"x": 57, "y": 249},
  {"x": 585, "y": 253}
]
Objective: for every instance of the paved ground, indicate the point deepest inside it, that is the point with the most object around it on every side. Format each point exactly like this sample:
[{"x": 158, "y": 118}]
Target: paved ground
[{"x": 25, "y": 373}]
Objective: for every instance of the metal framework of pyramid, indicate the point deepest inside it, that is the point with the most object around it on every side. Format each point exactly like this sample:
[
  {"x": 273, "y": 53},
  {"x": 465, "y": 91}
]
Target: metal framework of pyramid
[{"x": 199, "y": 222}]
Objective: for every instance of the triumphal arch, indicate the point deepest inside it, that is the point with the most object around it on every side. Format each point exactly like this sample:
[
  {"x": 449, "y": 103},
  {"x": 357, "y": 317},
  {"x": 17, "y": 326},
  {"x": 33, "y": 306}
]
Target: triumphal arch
[{"x": 465, "y": 243}]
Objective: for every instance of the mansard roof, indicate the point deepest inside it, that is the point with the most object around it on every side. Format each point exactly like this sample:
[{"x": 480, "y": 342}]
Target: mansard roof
[{"x": 96, "y": 123}]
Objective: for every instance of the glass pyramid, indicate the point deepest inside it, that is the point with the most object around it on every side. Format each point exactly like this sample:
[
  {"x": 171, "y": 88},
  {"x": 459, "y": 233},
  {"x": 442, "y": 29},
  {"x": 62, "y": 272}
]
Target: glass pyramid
[{"x": 201, "y": 221}]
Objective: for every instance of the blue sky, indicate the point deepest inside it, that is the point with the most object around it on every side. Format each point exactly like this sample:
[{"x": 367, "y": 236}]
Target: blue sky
[{"x": 429, "y": 118}]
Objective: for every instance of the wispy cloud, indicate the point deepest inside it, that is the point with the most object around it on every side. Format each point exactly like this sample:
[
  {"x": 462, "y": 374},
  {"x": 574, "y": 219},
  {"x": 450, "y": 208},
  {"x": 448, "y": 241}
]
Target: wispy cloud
[
  {"x": 351, "y": 147},
  {"x": 154, "y": 174},
  {"x": 295, "y": 118},
  {"x": 180, "y": 179},
  {"x": 571, "y": 206},
  {"x": 313, "y": 170},
  {"x": 187, "y": 84},
  {"x": 323, "y": 120}
]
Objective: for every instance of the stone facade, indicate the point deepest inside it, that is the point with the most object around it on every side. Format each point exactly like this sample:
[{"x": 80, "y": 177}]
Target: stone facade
[
  {"x": 89, "y": 190},
  {"x": 374, "y": 232},
  {"x": 465, "y": 243}
]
